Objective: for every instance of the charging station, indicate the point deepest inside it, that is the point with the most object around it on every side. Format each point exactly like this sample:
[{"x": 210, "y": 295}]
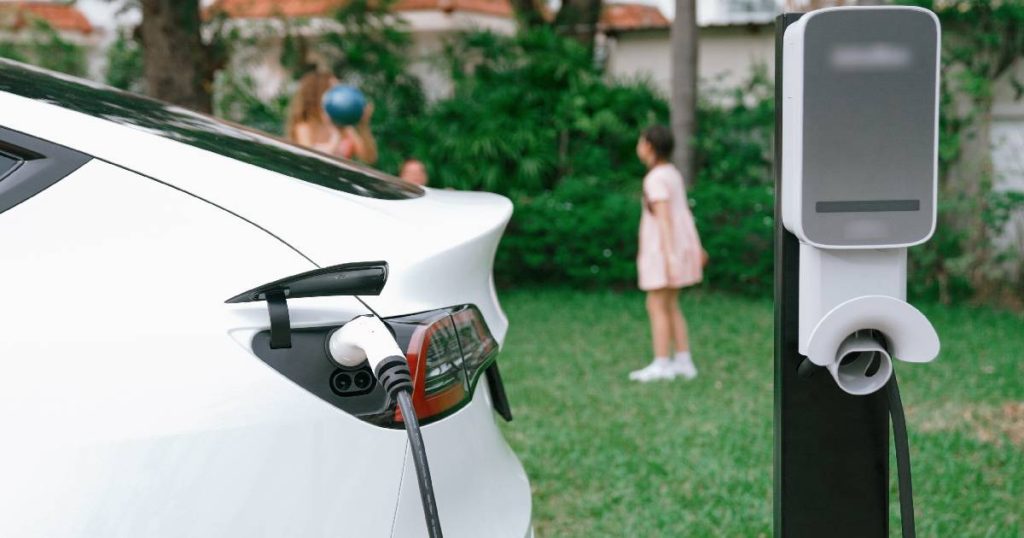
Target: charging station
[{"x": 856, "y": 185}]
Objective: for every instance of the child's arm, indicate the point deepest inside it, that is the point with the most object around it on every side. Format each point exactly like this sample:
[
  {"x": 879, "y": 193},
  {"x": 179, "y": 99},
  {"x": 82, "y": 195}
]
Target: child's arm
[
  {"x": 365, "y": 144},
  {"x": 664, "y": 219}
]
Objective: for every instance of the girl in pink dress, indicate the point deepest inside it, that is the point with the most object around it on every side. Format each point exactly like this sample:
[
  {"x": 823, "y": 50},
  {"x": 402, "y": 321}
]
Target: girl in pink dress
[{"x": 670, "y": 257}]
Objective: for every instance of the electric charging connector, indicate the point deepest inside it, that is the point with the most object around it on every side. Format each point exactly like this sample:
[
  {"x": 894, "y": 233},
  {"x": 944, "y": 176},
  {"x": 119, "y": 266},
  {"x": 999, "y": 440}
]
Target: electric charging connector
[{"x": 367, "y": 338}]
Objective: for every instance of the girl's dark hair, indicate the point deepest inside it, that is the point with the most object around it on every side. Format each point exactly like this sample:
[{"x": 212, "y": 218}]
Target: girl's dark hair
[{"x": 661, "y": 141}]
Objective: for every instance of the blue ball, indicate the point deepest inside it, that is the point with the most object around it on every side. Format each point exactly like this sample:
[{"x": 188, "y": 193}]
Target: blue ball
[{"x": 344, "y": 104}]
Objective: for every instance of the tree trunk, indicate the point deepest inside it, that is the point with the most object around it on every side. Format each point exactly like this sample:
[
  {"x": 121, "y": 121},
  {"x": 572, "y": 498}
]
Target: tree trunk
[
  {"x": 684, "y": 86},
  {"x": 579, "y": 19},
  {"x": 528, "y": 13},
  {"x": 173, "y": 54}
]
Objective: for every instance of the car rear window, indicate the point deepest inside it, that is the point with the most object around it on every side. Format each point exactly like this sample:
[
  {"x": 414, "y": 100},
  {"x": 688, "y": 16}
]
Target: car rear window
[{"x": 201, "y": 131}]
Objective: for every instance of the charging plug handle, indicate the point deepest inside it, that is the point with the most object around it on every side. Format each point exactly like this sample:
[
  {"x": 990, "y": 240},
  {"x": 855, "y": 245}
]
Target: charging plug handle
[
  {"x": 363, "y": 338},
  {"x": 367, "y": 338},
  {"x": 394, "y": 376}
]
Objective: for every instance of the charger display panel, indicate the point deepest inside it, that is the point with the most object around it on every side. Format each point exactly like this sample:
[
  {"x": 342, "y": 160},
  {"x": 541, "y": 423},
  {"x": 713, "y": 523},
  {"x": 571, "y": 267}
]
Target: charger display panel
[{"x": 869, "y": 121}]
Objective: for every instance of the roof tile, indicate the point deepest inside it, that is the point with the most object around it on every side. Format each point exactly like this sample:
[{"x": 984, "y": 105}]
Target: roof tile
[
  {"x": 261, "y": 9},
  {"x": 616, "y": 16},
  {"x": 632, "y": 17},
  {"x": 65, "y": 17}
]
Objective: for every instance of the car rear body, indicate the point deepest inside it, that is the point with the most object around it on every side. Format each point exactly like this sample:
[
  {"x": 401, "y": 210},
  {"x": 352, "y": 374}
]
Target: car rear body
[{"x": 130, "y": 393}]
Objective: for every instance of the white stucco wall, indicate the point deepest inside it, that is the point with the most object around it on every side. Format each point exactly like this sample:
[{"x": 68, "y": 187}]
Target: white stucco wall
[
  {"x": 1008, "y": 139},
  {"x": 726, "y": 55},
  {"x": 437, "y": 21},
  {"x": 640, "y": 55},
  {"x": 430, "y": 30},
  {"x": 719, "y": 12},
  {"x": 1008, "y": 134},
  {"x": 1008, "y": 152}
]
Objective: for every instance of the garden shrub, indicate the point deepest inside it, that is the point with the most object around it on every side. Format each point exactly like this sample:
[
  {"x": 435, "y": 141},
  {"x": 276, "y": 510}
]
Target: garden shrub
[
  {"x": 583, "y": 231},
  {"x": 124, "y": 63},
  {"x": 733, "y": 198},
  {"x": 580, "y": 233},
  {"x": 533, "y": 118},
  {"x": 970, "y": 257},
  {"x": 235, "y": 98},
  {"x": 529, "y": 112},
  {"x": 45, "y": 47}
]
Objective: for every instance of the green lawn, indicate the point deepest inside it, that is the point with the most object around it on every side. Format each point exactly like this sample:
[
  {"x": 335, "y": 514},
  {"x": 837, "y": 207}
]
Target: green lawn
[{"x": 608, "y": 457}]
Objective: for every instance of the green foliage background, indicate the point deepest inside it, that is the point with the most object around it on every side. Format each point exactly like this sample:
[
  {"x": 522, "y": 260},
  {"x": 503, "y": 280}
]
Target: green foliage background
[
  {"x": 982, "y": 47},
  {"x": 532, "y": 117},
  {"x": 124, "y": 63},
  {"x": 43, "y": 46}
]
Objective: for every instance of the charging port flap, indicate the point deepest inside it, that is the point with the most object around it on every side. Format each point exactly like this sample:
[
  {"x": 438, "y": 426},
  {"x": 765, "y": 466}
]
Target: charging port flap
[{"x": 359, "y": 278}]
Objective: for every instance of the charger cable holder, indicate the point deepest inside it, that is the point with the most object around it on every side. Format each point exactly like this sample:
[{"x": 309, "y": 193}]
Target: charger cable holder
[{"x": 353, "y": 279}]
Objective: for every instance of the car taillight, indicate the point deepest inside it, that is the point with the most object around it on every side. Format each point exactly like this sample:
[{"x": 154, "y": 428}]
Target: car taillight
[{"x": 447, "y": 351}]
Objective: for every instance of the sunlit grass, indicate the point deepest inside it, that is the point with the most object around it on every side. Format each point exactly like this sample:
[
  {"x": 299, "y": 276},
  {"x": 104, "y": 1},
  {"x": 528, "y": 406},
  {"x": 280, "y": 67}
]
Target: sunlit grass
[{"x": 608, "y": 457}]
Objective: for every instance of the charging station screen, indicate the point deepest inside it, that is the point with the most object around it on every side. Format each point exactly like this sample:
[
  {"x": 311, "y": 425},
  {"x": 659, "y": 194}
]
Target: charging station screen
[{"x": 870, "y": 109}]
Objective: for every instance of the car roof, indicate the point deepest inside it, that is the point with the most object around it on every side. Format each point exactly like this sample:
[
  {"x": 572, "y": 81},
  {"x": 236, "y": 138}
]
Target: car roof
[{"x": 201, "y": 131}]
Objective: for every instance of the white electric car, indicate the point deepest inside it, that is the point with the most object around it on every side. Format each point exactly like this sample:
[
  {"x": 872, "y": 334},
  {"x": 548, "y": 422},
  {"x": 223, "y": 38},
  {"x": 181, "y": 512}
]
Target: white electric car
[{"x": 136, "y": 401}]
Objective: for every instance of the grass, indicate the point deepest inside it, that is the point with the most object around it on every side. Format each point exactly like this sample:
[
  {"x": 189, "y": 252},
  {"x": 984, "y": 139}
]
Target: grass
[{"x": 608, "y": 457}]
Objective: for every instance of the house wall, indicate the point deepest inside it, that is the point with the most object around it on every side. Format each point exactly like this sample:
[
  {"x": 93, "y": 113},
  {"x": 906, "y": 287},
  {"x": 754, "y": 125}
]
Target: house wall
[
  {"x": 1008, "y": 133},
  {"x": 640, "y": 55},
  {"x": 726, "y": 55},
  {"x": 1008, "y": 153},
  {"x": 430, "y": 31},
  {"x": 263, "y": 64},
  {"x": 722, "y": 12},
  {"x": 91, "y": 44}
]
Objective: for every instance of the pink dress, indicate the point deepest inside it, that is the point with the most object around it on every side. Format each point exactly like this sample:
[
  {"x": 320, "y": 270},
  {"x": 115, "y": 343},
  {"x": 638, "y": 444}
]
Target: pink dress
[{"x": 664, "y": 183}]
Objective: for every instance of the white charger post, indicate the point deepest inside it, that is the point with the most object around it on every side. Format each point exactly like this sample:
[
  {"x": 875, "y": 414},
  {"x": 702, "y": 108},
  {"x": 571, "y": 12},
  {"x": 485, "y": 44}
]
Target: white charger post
[
  {"x": 859, "y": 183},
  {"x": 856, "y": 104}
]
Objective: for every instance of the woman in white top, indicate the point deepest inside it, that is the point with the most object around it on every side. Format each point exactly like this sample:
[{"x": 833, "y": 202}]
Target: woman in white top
[{"x": 308, "y": 123}]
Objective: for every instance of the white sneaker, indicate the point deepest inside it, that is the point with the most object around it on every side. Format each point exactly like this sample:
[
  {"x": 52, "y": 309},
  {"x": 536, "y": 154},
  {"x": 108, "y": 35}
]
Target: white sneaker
[
  {"x": 654, "y": 371},
  {"x": 684, "y": 368}
]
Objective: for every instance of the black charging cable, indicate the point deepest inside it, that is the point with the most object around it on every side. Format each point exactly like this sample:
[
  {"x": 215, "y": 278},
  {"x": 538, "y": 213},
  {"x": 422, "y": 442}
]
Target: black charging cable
[
  {"x": 394, "y": 376},
  {"x": 902, "y": 442}
]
